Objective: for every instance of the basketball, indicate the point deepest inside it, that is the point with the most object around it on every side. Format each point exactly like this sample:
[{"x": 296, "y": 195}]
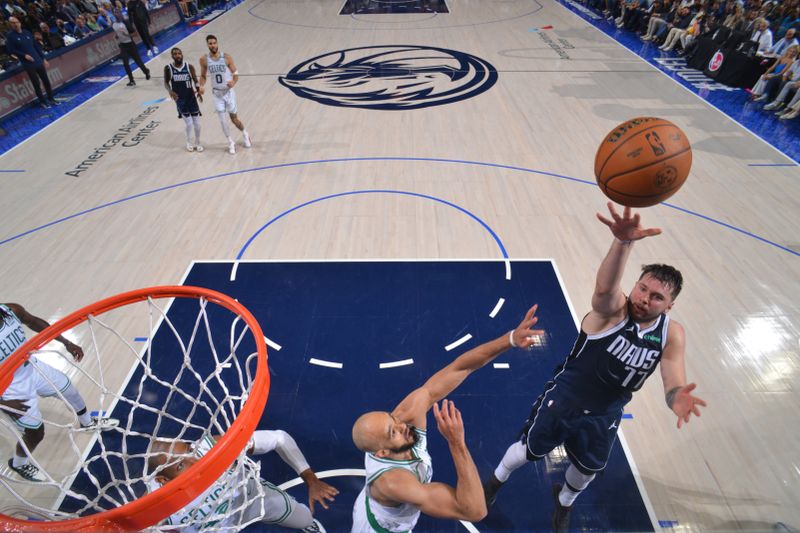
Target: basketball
[{"x": 643, "y": 161}]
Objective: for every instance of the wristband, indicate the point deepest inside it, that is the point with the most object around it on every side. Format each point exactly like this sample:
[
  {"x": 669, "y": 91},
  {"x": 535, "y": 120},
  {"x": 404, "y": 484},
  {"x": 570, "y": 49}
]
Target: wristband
[
  {"x": 511, "y": 339},
  {"x": 625, "y": 243}
]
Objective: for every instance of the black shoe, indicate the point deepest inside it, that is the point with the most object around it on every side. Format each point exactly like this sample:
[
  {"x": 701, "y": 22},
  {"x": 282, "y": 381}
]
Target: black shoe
[
  {"x": 28, "y": 472},
  {"x": 131, "y": 83},
  {"x": 147, "y": 74},
  {"x": 53, "y": 101},
  {"x": 561, "y": 513},
  {"x": 44, "y": 105},
  {"x": 490, "y": 489}
]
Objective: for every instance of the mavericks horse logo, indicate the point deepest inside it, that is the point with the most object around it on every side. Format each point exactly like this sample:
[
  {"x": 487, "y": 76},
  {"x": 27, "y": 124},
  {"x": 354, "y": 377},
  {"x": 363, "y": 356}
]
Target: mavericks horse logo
[{"x": 391, "y": 77}]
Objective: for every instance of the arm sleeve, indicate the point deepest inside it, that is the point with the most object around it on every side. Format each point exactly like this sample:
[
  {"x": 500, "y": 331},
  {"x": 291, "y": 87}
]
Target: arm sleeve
[{"x": 266, "y": 441}]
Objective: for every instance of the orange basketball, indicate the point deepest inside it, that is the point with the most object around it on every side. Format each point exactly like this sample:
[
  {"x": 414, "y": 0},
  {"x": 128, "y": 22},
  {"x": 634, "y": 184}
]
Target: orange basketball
[{"x": 643, "y": 161}]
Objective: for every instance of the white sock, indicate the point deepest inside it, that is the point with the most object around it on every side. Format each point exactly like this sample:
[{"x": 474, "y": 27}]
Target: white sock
[
  {"x": 187, "y": 123},
  {"x": 515, "y": 457},
  {"x": 18, "y": 461},
  {"x": 576, "y": 481},
  {"x": 196, "y": 121}
]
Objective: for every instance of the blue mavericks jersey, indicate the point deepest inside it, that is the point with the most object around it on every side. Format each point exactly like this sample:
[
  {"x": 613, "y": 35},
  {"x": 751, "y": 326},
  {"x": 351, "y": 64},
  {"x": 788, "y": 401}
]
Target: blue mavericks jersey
[
  {"x": 603, "y": 370},
  {"x": 181, "y": 81}
]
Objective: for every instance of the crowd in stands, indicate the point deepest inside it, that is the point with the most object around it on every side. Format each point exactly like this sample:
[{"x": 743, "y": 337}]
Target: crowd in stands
[
  {"x": 765, "y": 30},
  {"x": 59, "y": 23}
]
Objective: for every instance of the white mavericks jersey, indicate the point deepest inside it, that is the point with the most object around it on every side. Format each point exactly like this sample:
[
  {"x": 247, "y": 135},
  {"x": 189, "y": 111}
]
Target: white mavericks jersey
[
  {"x": 212, "y": 507},
  {"x": 369, "y": 515},
  {"x": 218, "y": 72},
  {"x": 12, "y": 336}
]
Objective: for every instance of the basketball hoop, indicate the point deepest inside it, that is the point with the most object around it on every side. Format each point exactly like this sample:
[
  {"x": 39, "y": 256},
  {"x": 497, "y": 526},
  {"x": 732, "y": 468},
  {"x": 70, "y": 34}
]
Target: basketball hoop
[{"x": 229, "y": 402}]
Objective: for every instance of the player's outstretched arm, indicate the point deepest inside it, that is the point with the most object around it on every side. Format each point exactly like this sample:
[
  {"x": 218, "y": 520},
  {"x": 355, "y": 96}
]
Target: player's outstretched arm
[
  {"x": 415, "y": 406},
  {"x": 673, "y": 374},
  {"x": 265, "y": 441},
  {"x": 38, "y": 324},
  {"x": 608, "y": 298},
  {"x": 464, "y": 502}
]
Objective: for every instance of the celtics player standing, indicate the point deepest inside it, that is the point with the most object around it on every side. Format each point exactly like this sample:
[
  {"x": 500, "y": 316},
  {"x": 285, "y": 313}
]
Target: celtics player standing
[
  {"x": 398, "y": 467},
  {"x": 180, "y": 81},
  {"x": 220, "y": 68},
  {"x": 621, "y": 342}
]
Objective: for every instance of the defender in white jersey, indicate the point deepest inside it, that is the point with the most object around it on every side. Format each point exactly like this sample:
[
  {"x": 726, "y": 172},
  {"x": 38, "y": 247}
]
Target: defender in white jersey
[
  {"x": 220, "y": 68},
  {"x": 31, "y": 380},
  {"x": 216, "y": 506},
  {"x": 399, "y": 471}
]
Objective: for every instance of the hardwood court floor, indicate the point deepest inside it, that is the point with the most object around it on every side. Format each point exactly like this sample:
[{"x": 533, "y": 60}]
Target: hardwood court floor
[{"x": 519, "y": 156}]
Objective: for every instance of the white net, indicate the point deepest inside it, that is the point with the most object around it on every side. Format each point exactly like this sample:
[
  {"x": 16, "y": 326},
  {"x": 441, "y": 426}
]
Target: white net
[{"x": 157, "y": 404}]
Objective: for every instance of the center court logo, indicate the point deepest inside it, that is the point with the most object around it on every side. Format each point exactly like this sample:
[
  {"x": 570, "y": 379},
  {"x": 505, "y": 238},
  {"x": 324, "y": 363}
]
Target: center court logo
[{"x": 391, "y": 77}]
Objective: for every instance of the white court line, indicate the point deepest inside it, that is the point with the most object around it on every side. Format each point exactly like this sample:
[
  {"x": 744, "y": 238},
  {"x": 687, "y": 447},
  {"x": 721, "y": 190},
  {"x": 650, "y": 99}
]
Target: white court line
[
  {"x": 501, "y": 365},
  {"x": 497, "y": 307},
  {"x": 321, "y": 362},
  {"x": 272, "y": 344},
  {"x": 393, "y": 364},
  {"x": 233, "y": 271},
  {"x": 459, "y": 342},
  {"x": 508, "y": 269}
]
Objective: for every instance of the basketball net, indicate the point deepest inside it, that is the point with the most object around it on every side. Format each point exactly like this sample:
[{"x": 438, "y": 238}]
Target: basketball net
[{"x": 200, "y": 378}]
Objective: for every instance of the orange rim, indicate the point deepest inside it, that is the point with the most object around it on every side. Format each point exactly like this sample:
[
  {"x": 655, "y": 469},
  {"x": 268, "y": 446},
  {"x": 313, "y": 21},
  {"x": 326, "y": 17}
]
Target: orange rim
[{"x": 158, "y": 505}]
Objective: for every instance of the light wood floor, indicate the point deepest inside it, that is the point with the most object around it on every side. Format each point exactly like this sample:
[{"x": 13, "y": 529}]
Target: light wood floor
[{"x": 736, "y": 468}]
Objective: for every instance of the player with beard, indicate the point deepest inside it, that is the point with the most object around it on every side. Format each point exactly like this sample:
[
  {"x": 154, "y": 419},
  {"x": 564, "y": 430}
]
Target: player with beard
[
  {"x": 180, "y": 80},
  {"x": 222, "y": 71},
  {"x": 398, "y": 467},
  {"x": 621, "y": 342}
]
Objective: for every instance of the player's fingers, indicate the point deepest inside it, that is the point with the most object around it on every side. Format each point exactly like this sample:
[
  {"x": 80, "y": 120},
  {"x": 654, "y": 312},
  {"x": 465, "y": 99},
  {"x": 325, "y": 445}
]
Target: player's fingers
[
  {"x": 531, "y": 312},
  {"x": 690, "y": 387},
  {"x": 603, "y": 219},
  {"x": 311, "y": 505},
  {"x": 652, "y": 232},
  {"x": 626, "y": 213},
  {"x": 698, "y": 401},
  {"x": 696, "y": 411}
]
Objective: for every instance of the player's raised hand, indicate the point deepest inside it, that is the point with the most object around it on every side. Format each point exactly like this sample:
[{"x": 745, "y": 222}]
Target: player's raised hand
[
  {"x": 684, "y": 404},
  {"x": 321, "y": 493},
  {"x": 628, "y": 226},
  {"x": 524, "y": 336},
  {"x": 449, "y": 422}
]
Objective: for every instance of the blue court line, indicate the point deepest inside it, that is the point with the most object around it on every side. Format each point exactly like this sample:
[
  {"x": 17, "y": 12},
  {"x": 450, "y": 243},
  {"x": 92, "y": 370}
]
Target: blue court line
[
  {"x": 373, "y": 191},
  {"x": 773, "y": 165},
  {"x": 385, "y": 158},
  {"x": 9, "y": 171},
  {"x": 668, "y": 523},
  {"x": 627, "y": 415},
  {"x": 156, "y": 101},
  {"x": 140, "y": 339}
]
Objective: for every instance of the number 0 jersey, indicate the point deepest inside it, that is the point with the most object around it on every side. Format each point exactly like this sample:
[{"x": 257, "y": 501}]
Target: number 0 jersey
[
  {"x": 605, "y": 369},
  {"x": 218, "y": 72}
]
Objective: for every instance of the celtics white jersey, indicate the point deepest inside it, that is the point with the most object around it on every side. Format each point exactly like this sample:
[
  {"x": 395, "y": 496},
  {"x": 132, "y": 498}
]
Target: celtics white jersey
[
  {"x": 12, "y": 336},
  {"x": 209, "y": 509},
  {"x": 369, "y": 515},
  {"x": 218, "y": 73}
]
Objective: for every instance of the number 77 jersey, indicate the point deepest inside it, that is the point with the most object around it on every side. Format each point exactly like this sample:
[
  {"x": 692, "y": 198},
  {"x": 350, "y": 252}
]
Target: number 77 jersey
[{"x": 604, "y": 369}]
